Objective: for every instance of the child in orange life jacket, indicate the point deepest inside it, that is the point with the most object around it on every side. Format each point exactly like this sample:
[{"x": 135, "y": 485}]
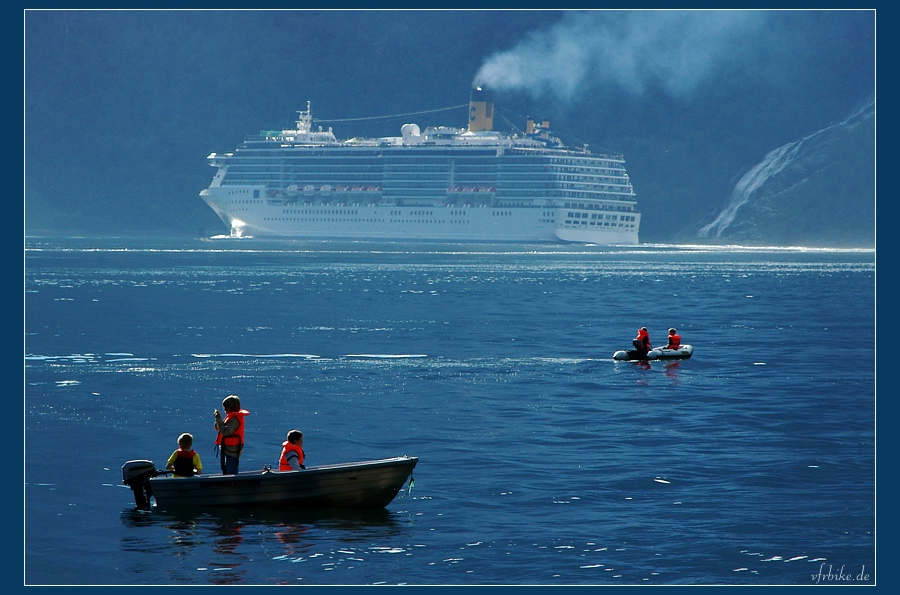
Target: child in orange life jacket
[
  {"x": 184, "y": 462},
  {"x": 642, "y": 341},
  {"x": 292, "y": 452},
  {"x": 674, "y": 339},
  {"x": 230, "y": 441}
]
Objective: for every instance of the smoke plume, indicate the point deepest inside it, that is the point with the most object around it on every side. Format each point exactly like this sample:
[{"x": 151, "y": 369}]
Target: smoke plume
[{"x": 633, "y": 50}]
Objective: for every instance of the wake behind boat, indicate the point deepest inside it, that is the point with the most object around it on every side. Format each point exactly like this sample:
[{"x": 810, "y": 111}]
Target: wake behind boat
[
  {"x": 660, "y": 353},
  {"x": 364, "y": 484}
]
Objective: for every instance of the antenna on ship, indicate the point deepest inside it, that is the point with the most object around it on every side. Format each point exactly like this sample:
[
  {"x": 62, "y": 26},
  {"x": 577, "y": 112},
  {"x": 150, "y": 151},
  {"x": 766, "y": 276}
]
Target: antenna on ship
[
  {"x": 481, "y": 110},
  {"x": 304, "y": 122}
]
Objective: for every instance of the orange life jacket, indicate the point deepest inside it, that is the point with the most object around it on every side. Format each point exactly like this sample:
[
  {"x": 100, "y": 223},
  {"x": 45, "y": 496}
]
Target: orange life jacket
[
  {"x": 674, "y": 342},
  {"x": 289, "y": 448},
  {"x": 644, "y": 337},
  {"x": 234, "y": 441}
]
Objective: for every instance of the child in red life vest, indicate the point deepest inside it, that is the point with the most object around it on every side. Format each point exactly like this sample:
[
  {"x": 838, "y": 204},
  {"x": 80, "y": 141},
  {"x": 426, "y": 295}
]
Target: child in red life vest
[
  {"x": 292, "y": 452},
  {"x": 184, "y": 462},
  {"x": 230, "y": 440},
  {"x": 642, "y": 342},
  {"x": 674, "y": 339}
]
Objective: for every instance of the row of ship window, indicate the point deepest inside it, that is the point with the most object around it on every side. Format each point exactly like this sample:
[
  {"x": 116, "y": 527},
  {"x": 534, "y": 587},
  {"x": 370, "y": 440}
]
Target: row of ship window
[
  {"x": 569, "y": 222},
  {"x": 453, "y": 213},
  {"x": 439, "y": 179},
  {"x": 415, "y": 193},
  {"x": 572, "y": 222},
  {"x": 320, "y": 212},
  {"x": 487, "y": 160},
  {"x": 596, "y": 207},
  {"x": 439, "y": 176},
  {"x": 413, "y": 213},
  {"x": 369, "y": 220},
  {"x": 572, "y": 215}
]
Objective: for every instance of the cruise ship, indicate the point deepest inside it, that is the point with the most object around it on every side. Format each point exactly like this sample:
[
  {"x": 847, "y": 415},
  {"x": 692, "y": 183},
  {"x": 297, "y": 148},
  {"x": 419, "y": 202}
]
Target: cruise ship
[{"x": 438, "y": 184}]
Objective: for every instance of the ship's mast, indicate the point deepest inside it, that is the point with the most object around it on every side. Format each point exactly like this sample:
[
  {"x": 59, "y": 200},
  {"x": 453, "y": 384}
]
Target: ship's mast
[{"x": 304, "y": 122}]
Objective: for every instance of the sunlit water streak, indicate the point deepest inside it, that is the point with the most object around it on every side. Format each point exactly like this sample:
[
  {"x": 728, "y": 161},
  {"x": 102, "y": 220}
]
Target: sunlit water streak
[{"x": 542, "y": 460}]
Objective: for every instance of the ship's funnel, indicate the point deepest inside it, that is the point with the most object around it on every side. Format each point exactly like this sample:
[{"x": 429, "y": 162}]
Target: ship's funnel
[{"x": 481, "y": 110}]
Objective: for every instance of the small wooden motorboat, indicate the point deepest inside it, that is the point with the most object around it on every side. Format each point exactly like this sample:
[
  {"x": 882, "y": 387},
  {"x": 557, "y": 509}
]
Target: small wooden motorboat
[
  {"x": 683, "y": 352},
  {"x": 364, "y": 484}
]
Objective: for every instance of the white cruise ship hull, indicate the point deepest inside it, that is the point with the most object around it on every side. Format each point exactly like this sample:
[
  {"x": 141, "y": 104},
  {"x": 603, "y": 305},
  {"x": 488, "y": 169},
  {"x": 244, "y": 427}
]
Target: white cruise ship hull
[{"x": 249, "y": 217}]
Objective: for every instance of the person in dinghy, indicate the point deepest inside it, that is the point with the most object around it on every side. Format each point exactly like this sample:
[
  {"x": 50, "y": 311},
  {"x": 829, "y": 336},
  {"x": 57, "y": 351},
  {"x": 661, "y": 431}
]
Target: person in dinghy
[
  {"x": 674, "y": 339},
  {"x": 642, "y": 343},
  {"x": 644, "y": 352}
]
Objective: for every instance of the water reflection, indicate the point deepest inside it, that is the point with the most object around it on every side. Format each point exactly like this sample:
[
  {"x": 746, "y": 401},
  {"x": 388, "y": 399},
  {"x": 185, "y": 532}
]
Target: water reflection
[
  {"x": 223, "y": 542},
  {"x": 671, "y": 370},
  {"x": 226, "y": 525},
  {"x": 227, "y": 537},
  {"x": 290, "y": 535},
  {"x": 643, "y": 379},
  {"x": 226, "y": 520}
]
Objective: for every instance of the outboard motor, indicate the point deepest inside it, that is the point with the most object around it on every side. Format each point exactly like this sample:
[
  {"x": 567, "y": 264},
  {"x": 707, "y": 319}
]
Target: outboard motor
[{"x": 136, "y": 475}]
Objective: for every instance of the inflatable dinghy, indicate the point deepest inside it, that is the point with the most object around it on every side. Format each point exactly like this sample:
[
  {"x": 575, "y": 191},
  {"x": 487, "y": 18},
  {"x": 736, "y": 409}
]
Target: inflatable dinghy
[{"x": 659, "y": 353}]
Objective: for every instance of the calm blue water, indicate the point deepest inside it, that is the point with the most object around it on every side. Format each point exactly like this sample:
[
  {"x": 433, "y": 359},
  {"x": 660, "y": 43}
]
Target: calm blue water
[{"x": 542, "y": 460}]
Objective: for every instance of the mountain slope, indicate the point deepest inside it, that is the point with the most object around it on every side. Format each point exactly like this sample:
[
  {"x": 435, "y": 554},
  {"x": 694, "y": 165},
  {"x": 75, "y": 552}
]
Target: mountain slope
[{"x": 817, "y": 191}]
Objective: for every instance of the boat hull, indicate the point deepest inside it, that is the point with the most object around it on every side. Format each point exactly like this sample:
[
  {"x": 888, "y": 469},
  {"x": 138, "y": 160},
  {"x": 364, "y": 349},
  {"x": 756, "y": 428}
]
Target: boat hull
[
  {"x": 683, "y": 352},
  {"x": 366, "y": 484},
  {"x": 249, "y": 217}
]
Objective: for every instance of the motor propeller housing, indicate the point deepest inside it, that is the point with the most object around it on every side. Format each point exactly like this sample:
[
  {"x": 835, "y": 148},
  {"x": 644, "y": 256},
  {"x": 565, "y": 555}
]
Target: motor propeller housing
[{"x": 136, "y": 475}]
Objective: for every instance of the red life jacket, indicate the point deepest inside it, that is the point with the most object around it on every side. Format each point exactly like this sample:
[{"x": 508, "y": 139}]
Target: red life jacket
[
  {"x": 289, "y": 448},
  {"x": 234, "y": 441},
  {"x": 184, "y": 463},
  {"x": 644, "y": 337},
  {"x": 674, "y": 342}
]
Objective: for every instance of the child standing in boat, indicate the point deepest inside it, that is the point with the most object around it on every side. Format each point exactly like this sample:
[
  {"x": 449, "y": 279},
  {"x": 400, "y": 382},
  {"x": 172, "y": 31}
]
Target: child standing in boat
[
  {"x": 292, "y": 456},
  {"x": 184, "y": 462},
  {"x": 230, "y": 441}
]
